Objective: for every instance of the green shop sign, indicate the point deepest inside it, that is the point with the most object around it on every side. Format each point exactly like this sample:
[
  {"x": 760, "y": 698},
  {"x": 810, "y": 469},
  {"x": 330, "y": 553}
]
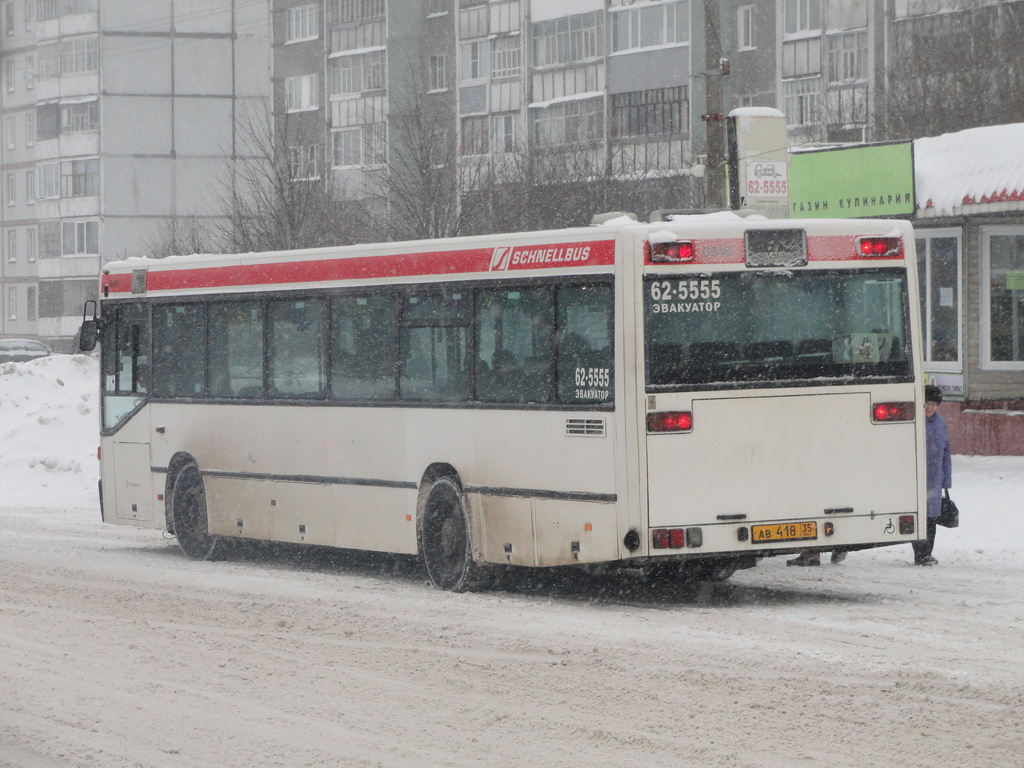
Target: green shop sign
[{"x": 852, "y": 182}]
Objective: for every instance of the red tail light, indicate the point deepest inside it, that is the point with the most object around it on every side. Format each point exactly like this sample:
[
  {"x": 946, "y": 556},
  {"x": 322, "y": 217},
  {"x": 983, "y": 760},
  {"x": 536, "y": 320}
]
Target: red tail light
[
  {"x": 671, "y": 421},
  {"x": 906, "y": 524},
  {"x": 671, "y": 253},
  {"x": 879, "y": 247},
  {"x": 668, "y": 538},
  {"x": 888, "y": 412}
]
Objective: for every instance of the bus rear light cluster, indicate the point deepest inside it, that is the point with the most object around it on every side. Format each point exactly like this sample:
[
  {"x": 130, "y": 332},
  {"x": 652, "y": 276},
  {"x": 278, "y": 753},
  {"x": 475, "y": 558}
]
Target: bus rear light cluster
[
  {"x": 889, "y": 412},
  {"x": 906, "y": 523},
  {"x": 671, "y": 421},
  {"x": 671, "y": 253},
  {"x": 878, "y": 247},
  {"x": 668, "y": 538}
]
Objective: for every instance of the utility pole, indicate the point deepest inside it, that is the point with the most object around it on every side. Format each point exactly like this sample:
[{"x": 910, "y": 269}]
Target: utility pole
[{"x": 715, "y": 68}]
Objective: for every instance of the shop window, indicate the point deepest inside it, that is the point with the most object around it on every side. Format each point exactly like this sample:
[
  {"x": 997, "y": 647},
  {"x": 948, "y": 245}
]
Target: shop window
[
  {"x": 938, "y": 264},
  {"x": 1002, "y": 297}
]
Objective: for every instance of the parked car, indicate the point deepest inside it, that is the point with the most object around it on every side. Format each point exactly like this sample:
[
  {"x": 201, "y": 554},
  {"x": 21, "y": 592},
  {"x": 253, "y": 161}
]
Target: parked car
[{"x": 20, "y": 350}]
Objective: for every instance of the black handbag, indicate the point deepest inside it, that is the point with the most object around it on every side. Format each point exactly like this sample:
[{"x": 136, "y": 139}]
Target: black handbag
[{"x": 949, "y": 516}]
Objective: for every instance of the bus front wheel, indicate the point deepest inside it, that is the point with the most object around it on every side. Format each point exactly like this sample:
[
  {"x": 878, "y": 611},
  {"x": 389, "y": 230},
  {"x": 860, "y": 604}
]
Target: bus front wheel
[
  {"x": 188, "y": 511},
  {"x": 447, "y": 545}
]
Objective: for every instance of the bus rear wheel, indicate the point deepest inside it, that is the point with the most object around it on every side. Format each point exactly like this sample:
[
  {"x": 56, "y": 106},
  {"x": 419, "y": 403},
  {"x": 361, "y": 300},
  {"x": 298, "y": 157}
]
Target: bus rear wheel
[
  {"x": 447, "y": 544},
  {"x": 188, "y": 514}
]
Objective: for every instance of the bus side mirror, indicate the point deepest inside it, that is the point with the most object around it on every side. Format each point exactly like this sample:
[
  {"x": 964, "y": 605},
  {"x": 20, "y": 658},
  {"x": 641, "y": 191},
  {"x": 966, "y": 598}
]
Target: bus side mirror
[{"x": 90, "y": 330}]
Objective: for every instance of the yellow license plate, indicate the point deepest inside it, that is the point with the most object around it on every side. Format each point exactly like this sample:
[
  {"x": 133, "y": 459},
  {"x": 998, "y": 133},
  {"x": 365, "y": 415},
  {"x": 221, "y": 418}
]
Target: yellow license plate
[{"x": 769, "y": 534}]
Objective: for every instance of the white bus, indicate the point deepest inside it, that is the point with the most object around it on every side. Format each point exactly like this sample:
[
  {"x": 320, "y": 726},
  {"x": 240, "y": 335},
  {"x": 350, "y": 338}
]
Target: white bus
[{"x": 688, "y": 396}]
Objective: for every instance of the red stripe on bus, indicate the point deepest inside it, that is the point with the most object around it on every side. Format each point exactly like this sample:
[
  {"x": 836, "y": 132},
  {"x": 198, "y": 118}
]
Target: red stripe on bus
[{"x": 502, "y": 259}]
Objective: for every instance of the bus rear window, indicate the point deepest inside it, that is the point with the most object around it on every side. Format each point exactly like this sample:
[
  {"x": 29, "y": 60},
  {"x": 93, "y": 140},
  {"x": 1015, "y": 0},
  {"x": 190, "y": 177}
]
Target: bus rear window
[{"x": 780, "y": 327}]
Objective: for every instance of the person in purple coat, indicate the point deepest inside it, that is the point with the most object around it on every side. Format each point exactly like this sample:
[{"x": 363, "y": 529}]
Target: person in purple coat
[{"x": 939, "y": 474}]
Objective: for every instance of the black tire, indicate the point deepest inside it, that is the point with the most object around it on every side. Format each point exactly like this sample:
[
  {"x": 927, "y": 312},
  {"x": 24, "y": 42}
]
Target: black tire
[
  {"x": 447, "y": 542},
  {"x": 188, "y": 515}
]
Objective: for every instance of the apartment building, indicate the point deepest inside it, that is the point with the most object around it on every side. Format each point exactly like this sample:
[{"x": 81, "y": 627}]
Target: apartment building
[{"x": 118, "y": 118}]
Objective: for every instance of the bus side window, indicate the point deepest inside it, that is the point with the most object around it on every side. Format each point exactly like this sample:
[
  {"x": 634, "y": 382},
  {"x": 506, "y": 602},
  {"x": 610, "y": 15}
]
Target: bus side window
[
  {"x": 434, "y": 347},
  {"x": 179, "y": 350},
  {"x": 513, "y": 345},
  {"x": 586, "y": 323},
  {"x": 132, "y": 349},
  {"x": 236, "y": 349},
  {"x": 363, "y": 333},
  {"x": 297, "y": 348}
]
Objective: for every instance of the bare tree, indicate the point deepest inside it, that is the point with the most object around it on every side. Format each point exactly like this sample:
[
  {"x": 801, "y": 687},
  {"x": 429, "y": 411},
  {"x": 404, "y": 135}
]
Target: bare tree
[
  {"x": 278, "y": 195},
  {"x": 952, "y": 71},
  {"x": 187, "y": 234}
]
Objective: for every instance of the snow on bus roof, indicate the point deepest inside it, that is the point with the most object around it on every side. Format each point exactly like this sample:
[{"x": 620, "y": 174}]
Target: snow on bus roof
[{"x": 971, "y": 167}]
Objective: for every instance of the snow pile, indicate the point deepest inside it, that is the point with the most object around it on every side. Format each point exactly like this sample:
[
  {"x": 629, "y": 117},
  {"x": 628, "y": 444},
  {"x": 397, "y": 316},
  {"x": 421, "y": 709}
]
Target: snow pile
[
  {"x": 49, "y": 430},
  {"x": 979, "y": 165}
]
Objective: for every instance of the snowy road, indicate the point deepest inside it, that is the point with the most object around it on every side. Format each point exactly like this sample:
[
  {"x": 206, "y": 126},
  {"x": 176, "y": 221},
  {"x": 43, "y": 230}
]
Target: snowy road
[{"x": 116, "y": 651}]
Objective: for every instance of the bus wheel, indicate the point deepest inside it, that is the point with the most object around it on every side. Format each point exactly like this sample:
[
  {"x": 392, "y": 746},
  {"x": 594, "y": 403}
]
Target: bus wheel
[
  {"x": 447, "y": 547},
  {"x": 188, "y": 510}
]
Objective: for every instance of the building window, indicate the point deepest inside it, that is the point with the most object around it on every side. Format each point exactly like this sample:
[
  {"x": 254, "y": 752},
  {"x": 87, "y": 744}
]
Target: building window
[
  {"x": 30, "y": 244},
  {"x": 438, "y": 73},
  {"x": 11, "y": 183},
  {"x": 938, "y": 265},
  {"x": 476, "y": 60},
  {"x": 569, "y": 122},
  {"x": 363, "y": 145},
  {"x": 9, "y": 65},
  {"x": 661, "y": 112},
  {"x": 474, "y": 136},
  {"x": 302, "y": 163},
  {"x": 81, "y": 238},
  {"x": 376, "y": 143},
  {"x": 29, "y": 14},
  {"x": 76, "y": 118},
  {"x": 505, "y": 133},
  {"x": 357, "y": 73},
  {"x": 302, "y": 24},
  {"x": 49, "y": 181},
  {"x": 79, "y": 178},
  {"x": 1002, "y": 297},
  {"x": 53, "y": 9},
  {"x": 47, "y": 121},
  {"x": 302, "y": 93},
  {"x": 10, "y": 133},
  {"x": 506, "y": 57},
  {"x": 437, "y": 7},
  {"x": 569, "y": 39},
  {"x": 347, "y": 149},
  {"x": 48, "y": 60},
  {"x": 351, "y": 11},
  {"x": 650, "y": 26},
  {"x": 848, "y": 56},
  {"x": 30, "y": 72},
  {"x": 9, "y": 18},
  {"x": 803, "y": 101},
  {"x": 802, "y": 16},
  {"x": 30, "y": 304},
  {"x": 30, "y": 187},
  {"x": 49, "y": 240},
  {"x": 12, "y": 303},
  {"x": 79, "y": 55},
  {"x": 30, "y": 129},
  {"x": 745, "y": 24},
  {"x": 12, "y": 245}
]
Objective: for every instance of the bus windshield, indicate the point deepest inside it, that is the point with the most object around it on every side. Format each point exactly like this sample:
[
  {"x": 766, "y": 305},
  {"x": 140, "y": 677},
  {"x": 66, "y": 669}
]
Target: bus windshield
[{"x": 775, "y": 327}]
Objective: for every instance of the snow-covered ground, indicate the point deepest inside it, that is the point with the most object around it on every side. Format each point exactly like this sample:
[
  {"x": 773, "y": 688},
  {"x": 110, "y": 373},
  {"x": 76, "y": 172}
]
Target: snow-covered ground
[{"x": 117, "y": 651}]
